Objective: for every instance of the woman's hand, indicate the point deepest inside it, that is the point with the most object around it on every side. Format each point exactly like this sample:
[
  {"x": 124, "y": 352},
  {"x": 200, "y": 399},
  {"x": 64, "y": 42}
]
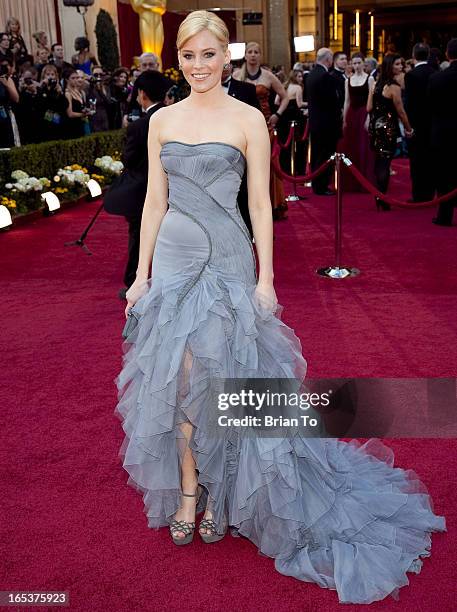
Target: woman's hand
[
  {"x": 265, "y": 296},
  {"x": 135, "y": 292}
]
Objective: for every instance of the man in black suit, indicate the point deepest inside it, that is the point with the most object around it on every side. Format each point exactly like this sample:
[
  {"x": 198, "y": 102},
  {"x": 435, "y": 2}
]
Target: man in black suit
[
  {"x": 152, "y": 87},
  {"x": 442, "y": 100},
  {"x": 416, "y": 83},
  {"x": 371, "y": 67},
  {"x": 324, "y": 118},
  {"x": 338, "y": 72},
  {"x": 245, "y": 92}
]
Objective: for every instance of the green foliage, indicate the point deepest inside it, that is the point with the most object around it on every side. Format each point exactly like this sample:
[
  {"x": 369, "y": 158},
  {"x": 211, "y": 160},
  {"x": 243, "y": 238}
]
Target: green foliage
[
  {"x": 107, "y": 48},
  {"x": 46, "y": 158}
]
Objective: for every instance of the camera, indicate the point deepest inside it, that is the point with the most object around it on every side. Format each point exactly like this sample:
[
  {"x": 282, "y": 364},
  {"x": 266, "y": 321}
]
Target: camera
[
  {"x": 28, "y": 81},
  {"x": 4, "y": 71},
  {"x": 52, "y": 83}
]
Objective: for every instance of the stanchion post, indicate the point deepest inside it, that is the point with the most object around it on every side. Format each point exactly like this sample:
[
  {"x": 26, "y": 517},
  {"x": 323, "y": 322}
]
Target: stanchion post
[
  {"x": 293, "y": 197},
  {"x": 338, "y": 271},
  {"x": 308, "y": 157}
]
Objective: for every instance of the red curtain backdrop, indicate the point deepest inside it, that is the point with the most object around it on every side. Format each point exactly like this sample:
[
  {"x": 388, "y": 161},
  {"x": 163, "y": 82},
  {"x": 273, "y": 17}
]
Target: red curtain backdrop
[{"x": 129, "y": 34}]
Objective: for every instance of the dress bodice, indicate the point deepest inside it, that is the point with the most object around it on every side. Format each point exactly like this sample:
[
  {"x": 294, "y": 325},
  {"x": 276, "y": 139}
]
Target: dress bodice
[
  {"x": 358, "y": 94},
  {"x": 203, "y": 184}
]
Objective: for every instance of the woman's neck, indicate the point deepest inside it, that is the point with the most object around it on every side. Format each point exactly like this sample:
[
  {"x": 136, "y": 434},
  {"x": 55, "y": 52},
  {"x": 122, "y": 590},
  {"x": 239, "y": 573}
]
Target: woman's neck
[{"x": 210, "y": 99}]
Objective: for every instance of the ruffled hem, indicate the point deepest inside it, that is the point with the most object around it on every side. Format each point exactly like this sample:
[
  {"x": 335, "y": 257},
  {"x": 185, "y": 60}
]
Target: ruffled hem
[{"x": 330, "y": 512}]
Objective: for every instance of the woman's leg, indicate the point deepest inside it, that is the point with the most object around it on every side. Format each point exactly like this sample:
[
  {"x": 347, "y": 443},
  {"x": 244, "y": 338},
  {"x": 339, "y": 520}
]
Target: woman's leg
[
  {"x": 382, "y": 173},
  {"x": 189, "y": 480}
]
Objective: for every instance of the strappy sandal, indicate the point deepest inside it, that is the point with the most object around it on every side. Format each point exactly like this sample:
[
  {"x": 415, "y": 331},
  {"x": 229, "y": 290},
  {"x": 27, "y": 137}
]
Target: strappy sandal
[
  {"x": 213, "y": 536},
  {"x": 186, "y": 527}
]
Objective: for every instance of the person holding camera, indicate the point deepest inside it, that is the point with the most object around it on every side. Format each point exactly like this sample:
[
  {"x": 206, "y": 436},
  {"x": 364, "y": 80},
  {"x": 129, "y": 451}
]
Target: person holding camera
[
  {"x": 27, "y": 114},
  {"x": 9, "y": 133},
  {"x": 78, "y": 112},
  {"x": 119, "y": 94},
  {"x": 51, "y": 105}
]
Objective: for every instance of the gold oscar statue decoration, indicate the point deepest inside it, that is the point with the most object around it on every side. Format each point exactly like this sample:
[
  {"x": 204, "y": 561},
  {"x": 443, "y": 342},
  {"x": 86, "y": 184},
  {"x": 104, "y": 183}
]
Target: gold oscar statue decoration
[{"x": 151, "y": 27}]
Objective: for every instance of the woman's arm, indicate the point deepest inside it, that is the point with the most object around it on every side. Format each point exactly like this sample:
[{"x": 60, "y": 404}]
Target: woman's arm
[
  {"x": 370, "y": 95},
  {"x": 398, "y": 103},
  {"x": 11, "y": 88},
  {"x": 258, "y": 177},
  {"x": 346, "y": 100},
  {"x": 299, "y": 96},
  {"x": 278, "y": 87},
  {"x": 156, "y": 201}
]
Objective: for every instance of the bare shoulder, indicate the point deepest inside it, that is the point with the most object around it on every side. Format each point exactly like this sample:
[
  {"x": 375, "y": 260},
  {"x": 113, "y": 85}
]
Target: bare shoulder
[{"x": 163, "y": 117}]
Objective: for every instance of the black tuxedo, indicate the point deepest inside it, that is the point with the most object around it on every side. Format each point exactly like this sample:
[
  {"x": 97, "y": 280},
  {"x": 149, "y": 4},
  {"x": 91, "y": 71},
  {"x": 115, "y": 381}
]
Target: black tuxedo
[
  {"x": 324, "y": 121},
  {"x": 416, "y": 83},
  {"x": 127, "y": 194},
  {"x": 245, "y": 92},
  {"x": 442, "y": 102},
  {"x": 340, "y": 79}
]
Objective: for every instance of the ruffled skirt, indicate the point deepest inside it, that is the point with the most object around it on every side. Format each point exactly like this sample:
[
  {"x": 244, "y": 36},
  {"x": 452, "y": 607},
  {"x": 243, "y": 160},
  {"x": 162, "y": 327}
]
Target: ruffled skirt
[{"x": 335, "y": 513}]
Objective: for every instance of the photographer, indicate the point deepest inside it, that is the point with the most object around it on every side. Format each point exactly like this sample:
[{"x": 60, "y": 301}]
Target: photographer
[
  {"x": 27, "y": 112},
  {"x": 51, "y": 105},
  {"x": 119, "y": 94},
  {"x": 9, "y": 133},
  {"x": 100, "y": 100}
]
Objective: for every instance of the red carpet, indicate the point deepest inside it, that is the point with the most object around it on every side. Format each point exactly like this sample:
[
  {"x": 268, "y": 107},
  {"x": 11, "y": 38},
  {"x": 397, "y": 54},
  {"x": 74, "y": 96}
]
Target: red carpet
[{"x": 70, "y": 521}]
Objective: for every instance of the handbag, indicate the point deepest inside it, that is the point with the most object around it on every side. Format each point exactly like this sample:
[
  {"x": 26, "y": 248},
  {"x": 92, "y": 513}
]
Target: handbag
[
  {"x": 133, "y": 318},
  {"x": 383, "y": 130}
]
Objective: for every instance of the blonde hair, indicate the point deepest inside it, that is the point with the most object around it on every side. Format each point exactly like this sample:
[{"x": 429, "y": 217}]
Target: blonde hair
[
  {"x": 196, "y": 22},
  {"x": 243, "y": 70}
]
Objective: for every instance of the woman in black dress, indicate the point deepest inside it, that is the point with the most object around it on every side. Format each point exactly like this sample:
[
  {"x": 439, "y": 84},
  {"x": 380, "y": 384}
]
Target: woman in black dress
[
  {"x": 385, "y": 106},
  {"x": 77, "y": 112},
  {"x": 17, "y": 43}
]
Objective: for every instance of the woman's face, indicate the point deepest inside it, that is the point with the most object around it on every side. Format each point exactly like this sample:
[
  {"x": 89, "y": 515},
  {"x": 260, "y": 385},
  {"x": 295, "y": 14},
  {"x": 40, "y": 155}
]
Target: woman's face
[
  {"x": 73, "y": 80},
  {"x": 121, "y": 79},
  {"x": 202, "y": 59},
  {"x": 42, "y": 56},
  {"x": 357, "y": 65},
  {"x": 80, "y": 79},
  {"x": 397, "y": 67},
  {"x": 43, "y": 40},
  {"x": 14, "y": 27},
  {"x": 49, "y": 73},
  {"x": 5, "y": 42},
  {"x": 253, "y": 55},
  {"x": 299, "y": 77}
]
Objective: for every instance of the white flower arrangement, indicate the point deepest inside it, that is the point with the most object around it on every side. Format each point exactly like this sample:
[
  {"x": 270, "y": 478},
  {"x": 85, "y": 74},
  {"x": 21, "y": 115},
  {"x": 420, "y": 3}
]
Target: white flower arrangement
[
  {"x": 108, "y": 164},
  {"x": 25, "y": 183},
  {"x": 71, "y": 176}
]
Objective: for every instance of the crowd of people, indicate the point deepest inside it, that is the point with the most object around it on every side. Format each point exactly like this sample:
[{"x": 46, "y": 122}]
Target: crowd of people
[
  {"x": 43, "y": 97},
  {"x": 369, "y": 112}
]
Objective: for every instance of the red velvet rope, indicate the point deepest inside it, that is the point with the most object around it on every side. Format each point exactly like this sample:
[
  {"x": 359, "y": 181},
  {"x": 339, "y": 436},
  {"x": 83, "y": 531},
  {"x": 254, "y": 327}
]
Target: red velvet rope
[
  {"x": 393, "y": 201},
  {"x": 305, "y": 131},
  {"x": 295, "y": 179},
  {"x": 286, "y": 145}
]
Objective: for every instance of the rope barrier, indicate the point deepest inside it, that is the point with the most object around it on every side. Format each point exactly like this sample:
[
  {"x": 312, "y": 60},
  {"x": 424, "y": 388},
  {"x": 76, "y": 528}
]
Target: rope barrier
[
  {"x": 285, "y": 145},
  {"x": 296, "y": 179},
  {"x": 305, "y": 132},
  {"x": 393, "y": 201},
  {"x": 359, "y": 177}
]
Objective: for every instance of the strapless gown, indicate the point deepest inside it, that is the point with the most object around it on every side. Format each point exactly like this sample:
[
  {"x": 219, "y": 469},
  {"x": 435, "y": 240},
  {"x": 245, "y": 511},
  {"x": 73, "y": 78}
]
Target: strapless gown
[{"x": 335, "y": 513}]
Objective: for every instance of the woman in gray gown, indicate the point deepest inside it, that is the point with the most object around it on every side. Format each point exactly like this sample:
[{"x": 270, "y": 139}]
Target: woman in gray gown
[{"x": 327, "y": 511}]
